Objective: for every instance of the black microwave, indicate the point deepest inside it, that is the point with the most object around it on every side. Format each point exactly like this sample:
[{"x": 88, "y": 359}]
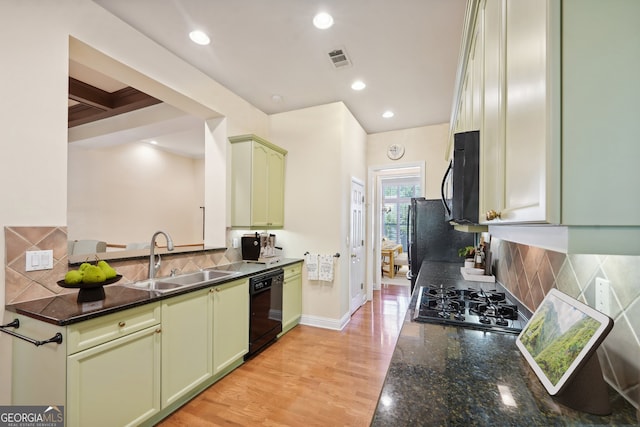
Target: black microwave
[{"x": 460, "y": 188}]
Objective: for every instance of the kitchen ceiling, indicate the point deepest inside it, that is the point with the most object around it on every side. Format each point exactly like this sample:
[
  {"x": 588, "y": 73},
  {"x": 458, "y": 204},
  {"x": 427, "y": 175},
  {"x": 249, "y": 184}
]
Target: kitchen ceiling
[{"x": 270, "y": 54}]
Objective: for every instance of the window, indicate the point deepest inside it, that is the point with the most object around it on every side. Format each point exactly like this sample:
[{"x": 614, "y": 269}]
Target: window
[{"x": 396, "y": 199}]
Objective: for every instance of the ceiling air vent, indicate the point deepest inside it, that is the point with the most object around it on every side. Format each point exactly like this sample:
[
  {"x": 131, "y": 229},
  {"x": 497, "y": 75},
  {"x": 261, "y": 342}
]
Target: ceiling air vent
[{"x": 339, "y": 58}]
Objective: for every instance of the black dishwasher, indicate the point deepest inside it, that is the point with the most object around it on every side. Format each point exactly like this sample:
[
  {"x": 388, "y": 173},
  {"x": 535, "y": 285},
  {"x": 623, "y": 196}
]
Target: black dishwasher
[{"x": 265, "y": 319}]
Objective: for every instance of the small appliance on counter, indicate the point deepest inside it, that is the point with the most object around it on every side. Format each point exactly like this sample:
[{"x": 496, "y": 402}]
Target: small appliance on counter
[{"x": 260, "y": 248}]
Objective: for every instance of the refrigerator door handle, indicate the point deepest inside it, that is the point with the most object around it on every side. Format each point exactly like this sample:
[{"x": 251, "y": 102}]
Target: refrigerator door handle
[{"x": 411, "y": 236}]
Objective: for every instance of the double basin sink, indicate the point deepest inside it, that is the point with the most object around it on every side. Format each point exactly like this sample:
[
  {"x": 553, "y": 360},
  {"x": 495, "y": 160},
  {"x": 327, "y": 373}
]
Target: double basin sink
[{"x": 173, "y": 283}]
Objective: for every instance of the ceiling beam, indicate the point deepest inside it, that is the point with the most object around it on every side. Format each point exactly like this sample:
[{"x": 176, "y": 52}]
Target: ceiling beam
[
  {"x": 96, "y": 104},
  {"x": 89, "y": 95}
]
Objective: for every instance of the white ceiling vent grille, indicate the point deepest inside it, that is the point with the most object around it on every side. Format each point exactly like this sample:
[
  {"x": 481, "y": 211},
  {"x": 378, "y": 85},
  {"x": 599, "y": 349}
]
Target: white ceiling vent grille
[{"x": 339, "y": 58}]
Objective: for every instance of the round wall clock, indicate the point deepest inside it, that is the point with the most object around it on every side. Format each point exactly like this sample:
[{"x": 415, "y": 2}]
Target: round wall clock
[{"x": 395, "y": 151}]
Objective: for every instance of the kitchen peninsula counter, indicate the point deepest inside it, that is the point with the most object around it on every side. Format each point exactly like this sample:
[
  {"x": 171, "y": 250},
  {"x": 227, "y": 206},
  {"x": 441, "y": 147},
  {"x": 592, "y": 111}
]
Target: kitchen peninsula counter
[
  {"x": 452, "y": 376},
  {"x": 62, "y": 310}
]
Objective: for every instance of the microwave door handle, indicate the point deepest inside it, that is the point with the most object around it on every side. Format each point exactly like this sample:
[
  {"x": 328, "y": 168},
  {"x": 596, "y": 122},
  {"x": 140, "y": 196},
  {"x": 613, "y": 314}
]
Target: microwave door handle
[{"x": 444, "y": 180}]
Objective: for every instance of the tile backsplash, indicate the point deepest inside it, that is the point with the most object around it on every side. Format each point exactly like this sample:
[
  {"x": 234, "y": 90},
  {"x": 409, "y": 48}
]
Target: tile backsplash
[
  {"x": 22, "y": 285},
  {"x": 529, "y": 273}
]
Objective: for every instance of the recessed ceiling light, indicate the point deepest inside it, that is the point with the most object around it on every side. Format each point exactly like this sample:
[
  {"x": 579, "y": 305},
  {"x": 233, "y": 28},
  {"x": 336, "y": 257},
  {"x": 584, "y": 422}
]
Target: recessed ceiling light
[
  {"x": 358, "y": 85},
  {"x": 153, "y": 142},
  {"x": 387, "y": 114},
  {"x": 199, "y": 37},
  {"x": 323, "y": 20},
  {"x": 276, "y": 99}
]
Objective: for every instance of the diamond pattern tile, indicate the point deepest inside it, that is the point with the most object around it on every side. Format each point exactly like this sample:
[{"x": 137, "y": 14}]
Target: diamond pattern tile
[{"x": 529, "y": 273}]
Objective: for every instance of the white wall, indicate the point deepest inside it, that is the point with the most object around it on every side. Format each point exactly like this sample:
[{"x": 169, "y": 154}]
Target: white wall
[
  {"x": 33, "y": 164},
  {"x": 123, "y": 194},
  {"x": 353, "y": 157},
  {"x": 427, "y": 143},
  {"x": 325, "y": 148},
  {"x": 35, "y": 42}
]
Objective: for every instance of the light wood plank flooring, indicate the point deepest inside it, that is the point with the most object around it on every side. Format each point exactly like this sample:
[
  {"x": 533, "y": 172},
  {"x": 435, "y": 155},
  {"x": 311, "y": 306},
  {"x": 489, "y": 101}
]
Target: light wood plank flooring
[{"x": 311, "y": 376}]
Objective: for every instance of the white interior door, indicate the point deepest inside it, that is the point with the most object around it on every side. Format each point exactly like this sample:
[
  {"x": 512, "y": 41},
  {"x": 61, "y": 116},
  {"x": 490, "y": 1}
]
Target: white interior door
[{"x": 357, "y": 249}]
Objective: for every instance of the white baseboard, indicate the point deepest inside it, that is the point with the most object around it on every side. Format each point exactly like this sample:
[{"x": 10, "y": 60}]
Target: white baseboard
[{"x": 325, "y": 322}]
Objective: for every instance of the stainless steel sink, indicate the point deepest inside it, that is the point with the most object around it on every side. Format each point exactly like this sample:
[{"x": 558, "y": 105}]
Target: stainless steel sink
[
  {"x": 168, "y": 284},
  {"x": 154, "y": 285},
  {"x": 198, "y": 277}
]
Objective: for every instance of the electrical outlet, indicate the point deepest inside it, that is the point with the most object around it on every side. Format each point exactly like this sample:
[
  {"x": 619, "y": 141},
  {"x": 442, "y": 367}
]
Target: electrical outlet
[
  {"x": 39, "y": 260},
  {"x": 603, "y": 295}
]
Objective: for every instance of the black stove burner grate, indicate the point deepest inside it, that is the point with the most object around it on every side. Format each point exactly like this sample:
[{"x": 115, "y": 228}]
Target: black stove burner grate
[{"x": 471, "y": 308}]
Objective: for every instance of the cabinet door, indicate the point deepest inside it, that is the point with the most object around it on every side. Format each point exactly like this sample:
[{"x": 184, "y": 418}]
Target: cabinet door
[
  {"x": 116, "y": 383},
  {"x": 600, "y": 126},
  {"x": 477, "y": 72},
  {"x": 275, "y": 201},
  {"x": 260, "y": 185},
  {"x": 186, "y": 344},
  {"x": 492, "y": 133},
  {"x": 527, "y": 124},
  {"x": 230, "y": 323},
  {"x": 257, "y": 183},
  {"x": 291, "y": 302}
]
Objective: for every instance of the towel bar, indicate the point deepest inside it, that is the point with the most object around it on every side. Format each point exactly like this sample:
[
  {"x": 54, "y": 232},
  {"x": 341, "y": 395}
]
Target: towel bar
[
  {"x": 57, "y": 338},
  {"x": 336, "y": 255}
]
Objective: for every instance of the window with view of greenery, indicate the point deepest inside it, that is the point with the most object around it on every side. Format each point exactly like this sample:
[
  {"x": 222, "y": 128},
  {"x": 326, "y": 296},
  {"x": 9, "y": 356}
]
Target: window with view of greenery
[{"x": 396, "y": 199}]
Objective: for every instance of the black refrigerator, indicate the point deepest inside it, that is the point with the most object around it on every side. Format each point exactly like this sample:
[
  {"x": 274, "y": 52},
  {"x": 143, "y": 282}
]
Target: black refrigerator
[{"x": 431, "y": 237}]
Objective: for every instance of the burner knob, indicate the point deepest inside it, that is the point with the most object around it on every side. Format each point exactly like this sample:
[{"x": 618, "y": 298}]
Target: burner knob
[{"x": 501, "y": 321}]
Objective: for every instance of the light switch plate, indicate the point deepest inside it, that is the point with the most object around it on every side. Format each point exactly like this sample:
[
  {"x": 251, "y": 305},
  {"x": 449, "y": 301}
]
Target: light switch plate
[{"x": 39, "y": 260}]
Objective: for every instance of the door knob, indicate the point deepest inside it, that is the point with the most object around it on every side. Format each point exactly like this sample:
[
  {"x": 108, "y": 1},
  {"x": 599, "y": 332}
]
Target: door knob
[{"x": 353, "y": 255}]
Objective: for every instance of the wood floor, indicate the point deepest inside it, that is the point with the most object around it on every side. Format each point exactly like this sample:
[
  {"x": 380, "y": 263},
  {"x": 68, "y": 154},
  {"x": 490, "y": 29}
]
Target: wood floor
[{"x": 311, "y": 376}]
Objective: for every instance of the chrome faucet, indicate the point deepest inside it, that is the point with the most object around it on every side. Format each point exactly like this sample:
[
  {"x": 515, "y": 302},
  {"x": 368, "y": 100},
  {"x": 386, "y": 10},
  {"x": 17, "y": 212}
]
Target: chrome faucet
[{"x": 153, "y": 265}]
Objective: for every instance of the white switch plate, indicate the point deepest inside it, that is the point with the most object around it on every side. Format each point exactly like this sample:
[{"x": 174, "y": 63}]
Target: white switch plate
[
  {"x": 39, "y": 260},
  {"x": 603, "y": 295}
]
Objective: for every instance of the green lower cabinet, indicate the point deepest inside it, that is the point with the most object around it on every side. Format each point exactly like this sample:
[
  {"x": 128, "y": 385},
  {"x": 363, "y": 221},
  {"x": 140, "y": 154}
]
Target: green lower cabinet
[
  {"x": 230, "y": 325},
  {"x": 116, "y": 383},
  {"x": 291, "y": 297},
  {"x": 186, "y": 344},
  {"x": 136, "y": 366}
]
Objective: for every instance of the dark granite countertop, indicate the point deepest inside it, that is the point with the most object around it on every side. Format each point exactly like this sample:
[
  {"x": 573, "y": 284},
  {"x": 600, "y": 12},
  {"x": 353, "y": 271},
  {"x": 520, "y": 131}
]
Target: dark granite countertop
[
  {"x": 453, "y": 376},
  {"x": 64, "y": 309}
]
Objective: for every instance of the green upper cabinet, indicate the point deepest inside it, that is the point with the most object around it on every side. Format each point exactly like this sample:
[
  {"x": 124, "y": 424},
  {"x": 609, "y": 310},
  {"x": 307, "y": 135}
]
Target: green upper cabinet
[
  {"x": 600, "y": 126},
  {"x": 508, "y": 92},
  {"x": 257, "y": 183},
  {"x": 553, "y": 83}
]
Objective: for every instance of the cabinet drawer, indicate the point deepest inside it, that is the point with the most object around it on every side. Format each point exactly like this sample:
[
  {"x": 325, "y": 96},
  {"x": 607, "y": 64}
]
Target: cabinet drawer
[
  {"x": 92, "y": 332},
  {"x": 292, "y": 270}
]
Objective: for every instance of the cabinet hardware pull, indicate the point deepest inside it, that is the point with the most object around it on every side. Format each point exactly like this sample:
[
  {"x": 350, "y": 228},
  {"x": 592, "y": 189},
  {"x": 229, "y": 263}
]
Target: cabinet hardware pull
[
  {"x": 121, "y": 324},
  {"x": 57, "y": 338},
  {"x": 159, "y": 330},
  {"x": 491, "y": 215}
]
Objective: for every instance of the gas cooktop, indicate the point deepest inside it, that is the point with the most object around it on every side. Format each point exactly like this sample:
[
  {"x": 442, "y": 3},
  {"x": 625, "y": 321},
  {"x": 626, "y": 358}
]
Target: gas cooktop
[{"x": 487, "y": 310}]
